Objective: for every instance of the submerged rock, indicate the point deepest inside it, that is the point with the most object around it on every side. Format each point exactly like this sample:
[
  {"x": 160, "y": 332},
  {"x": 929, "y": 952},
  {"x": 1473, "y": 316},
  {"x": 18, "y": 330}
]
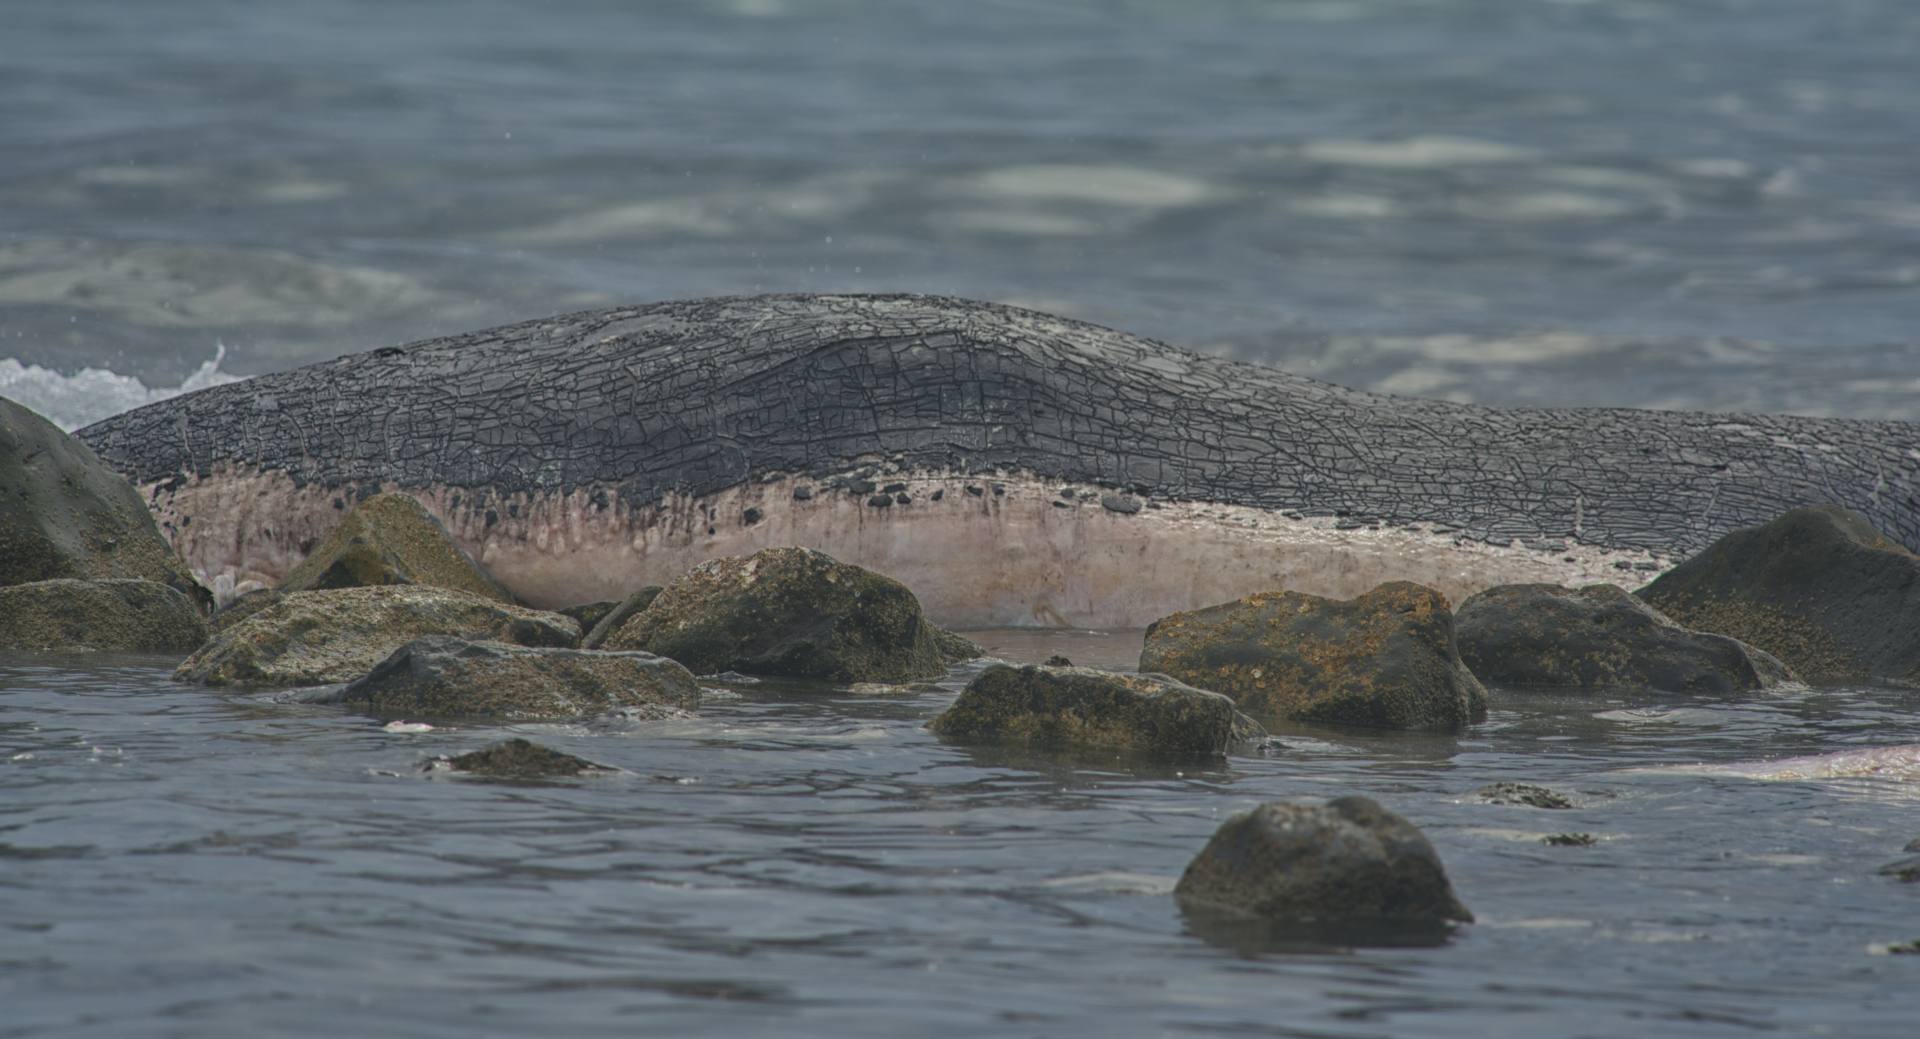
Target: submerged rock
[
  {"x": 441, "y": 676},
  {"x": 1083, "y": 707},
  {"x": 1521, "y": 794},
  {"x": 386, "y": 540},
  {"x": 1570, "y": 840},
  {"x": 517, "y": 759},
  {"x": 1906, "y": 870},
  {"x": 67, "y": 515},
  {"x": 1348, "y": 860},
  {"x": 1598, "y": 636},
  {"x": 792, "y": 612},
  {"x": 1819, "y": 588},
  {"x": 103, "y": 616},
  {"x": 622, "y": 612},
  {"x": 1385, "y": 659},
  {"x": 337, "y": 635}
]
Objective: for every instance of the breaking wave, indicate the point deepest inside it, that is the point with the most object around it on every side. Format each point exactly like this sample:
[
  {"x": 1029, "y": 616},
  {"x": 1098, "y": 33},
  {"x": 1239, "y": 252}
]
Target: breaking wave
[{"x": 91, "y": 394}]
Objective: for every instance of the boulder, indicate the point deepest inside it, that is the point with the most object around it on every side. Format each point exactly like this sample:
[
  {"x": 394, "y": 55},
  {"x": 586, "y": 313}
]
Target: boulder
[
  {"x": 1385, "y": 659},
  {"x": 788, "y": 611},
  {"x": 390, "y": 539},
  {"x": 441, "y": 676},
  {"x": 235, "y": 610},
  {"x": 1348, "y": 860},
  {"x": 1599, "y": 636},
  {"x": 621, "y": 613},
  {"x": 337, "y": 635},
  {"x": 1819, "y": 588},
  {"x": 1037, "y": 706},
  {"x": 66, "y": 515},
  {"x": 517, "y": 759},
  {"x": 105, "y": 616}
]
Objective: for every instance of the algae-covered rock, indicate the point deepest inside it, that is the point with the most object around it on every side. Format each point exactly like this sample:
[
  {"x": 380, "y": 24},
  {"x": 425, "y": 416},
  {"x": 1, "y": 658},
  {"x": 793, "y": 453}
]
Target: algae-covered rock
[
  {"x": 337, "y": 635},
  {"x": 1038, "y": 706},
  {"x": 588, "y": 614},
  {"x": 390, "y": 539},
  {"x": 955, "y": 648},
  {"x": 441, "y": 676},
  {"x": 622, "y": 611},
  {"x": 1521, "y": 794},
  {"x": 64, "y": 514},
  {"x": 104, "y": 616},
  {"x": 1346, "y": 860},
  {"x": 1819, "y": 588},
  {"x": 517, "y": 759},
  {"x": 236, "y": 610},
  {"x": 788, "y": 611},
  {"x": 1385, "y": 659},
  {"x": 1599, "y": 636}
]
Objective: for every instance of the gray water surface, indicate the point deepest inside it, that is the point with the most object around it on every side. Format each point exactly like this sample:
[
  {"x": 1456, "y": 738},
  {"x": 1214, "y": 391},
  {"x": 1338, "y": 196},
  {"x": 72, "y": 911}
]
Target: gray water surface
[
  {"x": 805, "y": 861},
  {"x": 1708, "y": 204}
]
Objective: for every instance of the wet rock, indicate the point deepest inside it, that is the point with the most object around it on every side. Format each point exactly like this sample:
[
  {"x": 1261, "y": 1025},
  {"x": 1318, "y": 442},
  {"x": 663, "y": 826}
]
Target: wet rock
[
  {"x": 1906, "y": 870},
  {"x": 1084, "y": 707},
  {"x": 788, "y": 611},
  {"x": 1348, "y": 860},
  {"x": 588, "y": 614},
  {"x": 517, "y": 759},
  {"x": 954, "y": 648},
  {"x": 337, "y": 635},
  {"x": 1599, "y": 636},
  {"x": 115, "y": 616},
  {"x": 622, "y": 612},
  {"x": 1521, "y": 794},
  {"x": 390, "y": 539},
  {"x": 1819, "y": 588},
  {"x": 441, "y": 676},
  {"x": 69, "y": 516},
  {"x": 1058, "y": 661},
  {"x": 1570, "y": 840},
  {"x": 1385, "y": 659},
  {"x": 1911, "y": 948}
]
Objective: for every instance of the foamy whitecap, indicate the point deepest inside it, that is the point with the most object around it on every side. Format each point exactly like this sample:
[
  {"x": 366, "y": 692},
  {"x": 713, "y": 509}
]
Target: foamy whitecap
[
  {"x": 1432, "y": 151},
  {"x": 91, "y": 394}
]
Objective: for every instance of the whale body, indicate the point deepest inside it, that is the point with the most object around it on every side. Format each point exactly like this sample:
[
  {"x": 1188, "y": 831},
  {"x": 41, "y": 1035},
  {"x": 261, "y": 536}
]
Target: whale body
[{"x": 1012, "y": 467}]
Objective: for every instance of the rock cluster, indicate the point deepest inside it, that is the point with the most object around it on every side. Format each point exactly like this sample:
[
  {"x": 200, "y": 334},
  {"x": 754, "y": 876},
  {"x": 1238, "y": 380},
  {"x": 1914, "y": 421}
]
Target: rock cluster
[
  {"x": 1600, "y": 636},
  {"x": 1818, "y": 587}
]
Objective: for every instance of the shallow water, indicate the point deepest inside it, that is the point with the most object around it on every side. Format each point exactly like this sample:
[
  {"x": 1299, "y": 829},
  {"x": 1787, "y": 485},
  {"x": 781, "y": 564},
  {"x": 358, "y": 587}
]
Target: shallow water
[{"x": 810, "y": 862}]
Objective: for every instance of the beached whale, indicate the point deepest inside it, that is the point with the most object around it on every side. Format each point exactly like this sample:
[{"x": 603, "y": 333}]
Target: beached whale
[{"x": 1012, "y": 467}]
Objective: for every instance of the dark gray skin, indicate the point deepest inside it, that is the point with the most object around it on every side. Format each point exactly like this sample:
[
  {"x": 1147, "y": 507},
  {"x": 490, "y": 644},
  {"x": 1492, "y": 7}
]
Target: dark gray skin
[{"x": 699, "y": 396}]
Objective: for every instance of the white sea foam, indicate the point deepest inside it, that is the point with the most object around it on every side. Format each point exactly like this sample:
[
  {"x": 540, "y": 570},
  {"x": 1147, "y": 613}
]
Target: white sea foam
[{"x": 91, "y": 394}]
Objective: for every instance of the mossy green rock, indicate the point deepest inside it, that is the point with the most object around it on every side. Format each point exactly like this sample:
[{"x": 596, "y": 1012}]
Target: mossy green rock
[
  {"x": 1045, "y": 707},
  {"x": 440, "y": 676},
  {"x": 64, "y": 514},
  {"x": 588, "y": 614},
  {"x": 618, "y": 615},
  {"x": 518, "y": 759},
  {"x": 1346, "y": 860},
  {"x": 788, "y": 611},
  {"x": 1819, "y": 588},
  {"x": 1597, "y": 637},
  {"x": 390, "y": 539},
  {"x": 1386, "y": 659},
  {"x": 955, "y": 648},
  {"x": 103, "y": 616},
  {"x": 337, "y": 635}
]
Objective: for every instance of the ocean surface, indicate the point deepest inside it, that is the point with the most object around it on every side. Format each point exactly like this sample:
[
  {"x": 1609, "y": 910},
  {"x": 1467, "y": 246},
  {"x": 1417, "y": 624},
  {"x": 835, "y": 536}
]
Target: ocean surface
[{"x": 1703, "y": 204}]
